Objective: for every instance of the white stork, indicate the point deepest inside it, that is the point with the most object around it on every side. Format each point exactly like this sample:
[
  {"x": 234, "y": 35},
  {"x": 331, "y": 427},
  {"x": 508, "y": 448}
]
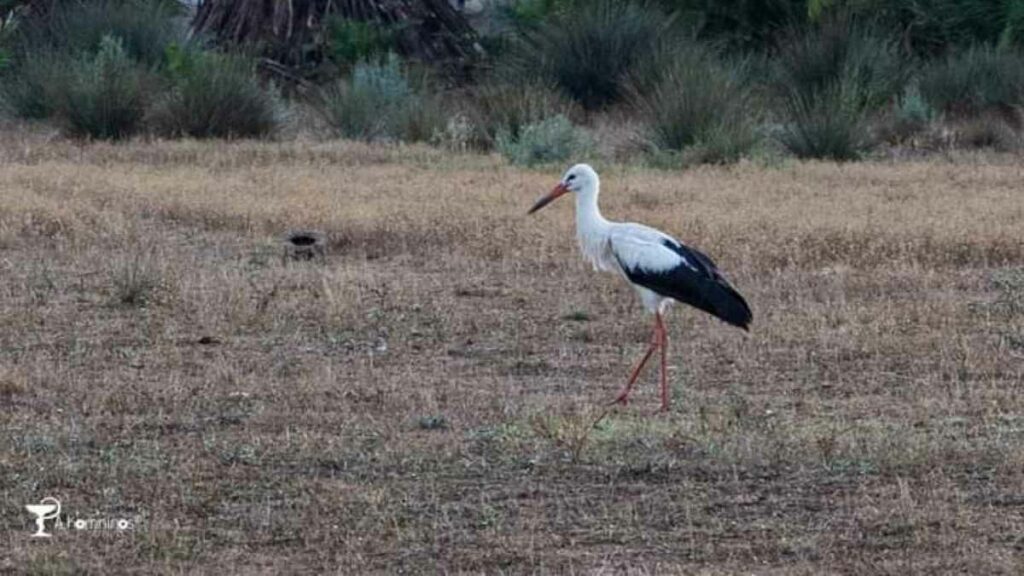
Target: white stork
[{"x": 659, "y": 267}]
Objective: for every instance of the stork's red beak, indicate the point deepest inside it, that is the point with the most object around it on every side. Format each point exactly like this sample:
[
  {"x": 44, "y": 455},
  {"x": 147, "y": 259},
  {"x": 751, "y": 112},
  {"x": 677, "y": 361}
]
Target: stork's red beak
[{"x": 550, "y": 197}]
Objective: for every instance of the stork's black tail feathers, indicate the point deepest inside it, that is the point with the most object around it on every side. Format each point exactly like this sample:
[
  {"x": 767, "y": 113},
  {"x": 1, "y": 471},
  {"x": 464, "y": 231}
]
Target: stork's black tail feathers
[{"x": 726, "y": 303}]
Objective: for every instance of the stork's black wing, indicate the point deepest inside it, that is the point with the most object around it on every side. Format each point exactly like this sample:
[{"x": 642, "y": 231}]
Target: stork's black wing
[{"x": 694, "y": 279}]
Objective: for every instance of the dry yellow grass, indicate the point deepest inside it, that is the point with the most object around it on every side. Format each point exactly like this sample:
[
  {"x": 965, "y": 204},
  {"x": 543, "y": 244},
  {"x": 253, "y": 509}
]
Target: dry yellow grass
[{"x": 422, "y": 401}]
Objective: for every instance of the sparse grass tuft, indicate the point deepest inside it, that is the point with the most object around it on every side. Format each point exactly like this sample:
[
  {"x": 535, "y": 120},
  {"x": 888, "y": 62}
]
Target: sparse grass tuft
[
  {"x": 571, "y": 433},
  {"x": 136, "y": 280}
]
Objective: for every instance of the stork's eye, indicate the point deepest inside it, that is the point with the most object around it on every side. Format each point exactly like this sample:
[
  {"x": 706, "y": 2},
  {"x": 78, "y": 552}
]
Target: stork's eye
[{"x": 570, "y": 178}]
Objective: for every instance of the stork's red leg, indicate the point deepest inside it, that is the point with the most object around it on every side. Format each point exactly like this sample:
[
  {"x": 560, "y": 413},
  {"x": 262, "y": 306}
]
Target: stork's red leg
[
  {"x": 623, "y": 397},
  {"x": 664, "y": 371}
]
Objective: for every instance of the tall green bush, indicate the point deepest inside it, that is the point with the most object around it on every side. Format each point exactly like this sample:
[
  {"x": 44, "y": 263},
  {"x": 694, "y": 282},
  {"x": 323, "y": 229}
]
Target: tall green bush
[
  {"x": 742, "y": 26},
  {"x": 976, "y": 80},
  {"x": 499, "y": 106},
  {"x": 588, "y": 49},
  {"x": 378, "y": 101},
  {"x": 841, "y": 50},
  {"x": 106, "y": 94},
  {"x": 830, "y": 80},
  {"x": 552, "y": 140},
  {"x": 352, "y": 41},
  {"x": 144, "y": 27},
  {"x": 702, "y": 106},
  {"x": 830, "y": 124},
  {"x": 214, "y": 96},
  {"x": 32, "y": 87}
]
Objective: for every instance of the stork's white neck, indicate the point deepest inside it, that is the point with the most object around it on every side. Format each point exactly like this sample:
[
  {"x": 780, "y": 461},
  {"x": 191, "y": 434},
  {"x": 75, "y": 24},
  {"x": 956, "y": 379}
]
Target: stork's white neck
[{"x": 591, "y": 227}]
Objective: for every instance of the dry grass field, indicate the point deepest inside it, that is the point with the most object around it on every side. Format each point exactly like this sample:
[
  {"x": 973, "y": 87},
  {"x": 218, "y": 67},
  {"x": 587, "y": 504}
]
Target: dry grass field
[{"x": 423, "y": 400}]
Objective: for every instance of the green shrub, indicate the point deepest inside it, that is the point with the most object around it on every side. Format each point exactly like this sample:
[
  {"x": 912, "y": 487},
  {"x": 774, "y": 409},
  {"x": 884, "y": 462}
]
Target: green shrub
[
  {"x": 910, "y": 117},
  {"x": 974, "y": 81},
  {"x": 830, "y": 125},
  {"x": 741, "y": 25},
  {"x": 144, "y": 27},
  {"x": 497, "y": 106},
  {"x": 702, "y": 106},
  {"x": 831, "y": 80},
  {"x": 214, "y": 96},
  {"x": 386, "y": 80},
  {"x": 840, "y": 50},
  {"x": 364, "y": 106},
  {"x": 105, "y": 96},
  {"x": 353, "y": 41},
  {"x": 551, "y": 140},
  {"x": 586, "y": 51},
  {"x": 351, "y": 111},
  {"x": 913, "y": 109},
  {"x": 524, "y": 14},
  {"x": 45, "y": 45},
  {"x": 31, "y": 89},
  {"x": 379, "y": 102},
  {"x": 929, "y": 27}
]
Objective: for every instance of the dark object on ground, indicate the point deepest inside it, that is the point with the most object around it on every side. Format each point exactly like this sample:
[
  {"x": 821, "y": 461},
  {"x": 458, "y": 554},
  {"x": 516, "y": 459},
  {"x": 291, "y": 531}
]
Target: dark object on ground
[{"x": 305, "y": 245}]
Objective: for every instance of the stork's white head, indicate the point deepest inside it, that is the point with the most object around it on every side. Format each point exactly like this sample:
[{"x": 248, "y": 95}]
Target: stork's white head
[{"x": 580, "y": 179}]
